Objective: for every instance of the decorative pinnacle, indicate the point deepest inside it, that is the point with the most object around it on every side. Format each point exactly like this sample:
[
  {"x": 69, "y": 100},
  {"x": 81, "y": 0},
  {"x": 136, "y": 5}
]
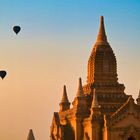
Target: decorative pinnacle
[
  {"x": 31, "y": 135},
  {"x": 80, "y": 92},
  {"x": 94, "y": 101},
  {"x": 101, "y": 34},
  {"x": 64, "y": 97}
]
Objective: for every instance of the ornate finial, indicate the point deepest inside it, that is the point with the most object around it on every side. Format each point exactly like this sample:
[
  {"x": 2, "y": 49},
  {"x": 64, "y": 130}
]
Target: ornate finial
[
  {"x": 101, "y": 34},
  {"x": 95, "y": 101},
  {"x": 64, "y": 97},
  {"x": 31, "y": 135},
  {"x": 80, "y": 91}
]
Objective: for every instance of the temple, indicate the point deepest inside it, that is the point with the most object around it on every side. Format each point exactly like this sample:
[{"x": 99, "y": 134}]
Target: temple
[{"x": 101, "y": 110}]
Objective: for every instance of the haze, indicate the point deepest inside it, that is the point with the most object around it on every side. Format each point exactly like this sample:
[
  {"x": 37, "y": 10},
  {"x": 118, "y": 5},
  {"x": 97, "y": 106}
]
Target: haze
[{"x": 52, "y": 49}]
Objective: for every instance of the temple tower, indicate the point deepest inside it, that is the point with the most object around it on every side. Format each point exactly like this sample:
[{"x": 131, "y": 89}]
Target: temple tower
[
  {"x": 102, "y": 74},
  {"x": 100, "y": 110},
  {"x": 102, "y": 62}
]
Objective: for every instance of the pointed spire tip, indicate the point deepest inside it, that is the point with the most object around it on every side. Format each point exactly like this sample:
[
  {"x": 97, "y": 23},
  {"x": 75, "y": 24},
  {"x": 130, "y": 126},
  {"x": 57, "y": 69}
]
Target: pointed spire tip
[
  {"x": 64, "y": 87},
  {"x": 64, "y": 96},
  {"x": 102, "y": 38},
  {"x": 31, "y": 135},
  {"x": 80, "y": 92},
  {"x": 80, "y": 80},
  {"x": 101, "y": 18}
]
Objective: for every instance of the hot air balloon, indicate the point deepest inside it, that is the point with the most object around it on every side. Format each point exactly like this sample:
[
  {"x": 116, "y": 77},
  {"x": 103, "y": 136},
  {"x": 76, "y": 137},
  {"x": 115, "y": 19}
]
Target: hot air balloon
[
  {"x": 16, "y": 29},
  {"x": 3, "y": 73}
]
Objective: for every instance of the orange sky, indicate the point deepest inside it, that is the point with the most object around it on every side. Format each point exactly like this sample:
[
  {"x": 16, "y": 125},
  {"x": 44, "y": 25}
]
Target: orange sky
[{"x": 51, "y": 50}]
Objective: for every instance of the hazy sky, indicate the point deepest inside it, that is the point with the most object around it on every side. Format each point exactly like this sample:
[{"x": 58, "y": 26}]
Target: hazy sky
[{"x": 52, "y": 49}]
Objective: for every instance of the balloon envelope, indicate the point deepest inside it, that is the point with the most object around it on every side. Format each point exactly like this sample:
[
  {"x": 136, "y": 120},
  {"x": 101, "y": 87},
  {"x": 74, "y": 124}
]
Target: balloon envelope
[
  {"x": 2, "y": 73},
  {"x": 16, "y": 29}
]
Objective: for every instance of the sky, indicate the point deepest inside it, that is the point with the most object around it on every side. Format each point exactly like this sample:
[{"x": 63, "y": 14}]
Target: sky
[{"x": 52, "y": 50}]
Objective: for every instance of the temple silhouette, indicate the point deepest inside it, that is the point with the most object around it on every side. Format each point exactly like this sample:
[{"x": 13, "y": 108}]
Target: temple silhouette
[{"x": 101, "y": 110}]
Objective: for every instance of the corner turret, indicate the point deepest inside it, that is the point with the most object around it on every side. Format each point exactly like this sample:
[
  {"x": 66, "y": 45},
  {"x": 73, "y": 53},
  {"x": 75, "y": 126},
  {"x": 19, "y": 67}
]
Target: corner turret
[
  {"x": 79, "y": 103},
  {"x": 64, "y": 104}
]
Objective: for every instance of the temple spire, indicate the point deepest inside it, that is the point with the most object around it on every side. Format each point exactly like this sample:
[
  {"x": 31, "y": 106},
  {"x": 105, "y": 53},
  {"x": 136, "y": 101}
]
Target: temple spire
[
  {"x": 95, "y": 101},
  {"x": 64, "y": 104},
  {"x": 31, "y": 135},
  {"x": 101, "y": 34},
  {"x": 80, "y": 91},
  {"x": 80, "y": 101},
  {"x": 64, "y": 97},
  {"x": 95, "y": 107}
]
